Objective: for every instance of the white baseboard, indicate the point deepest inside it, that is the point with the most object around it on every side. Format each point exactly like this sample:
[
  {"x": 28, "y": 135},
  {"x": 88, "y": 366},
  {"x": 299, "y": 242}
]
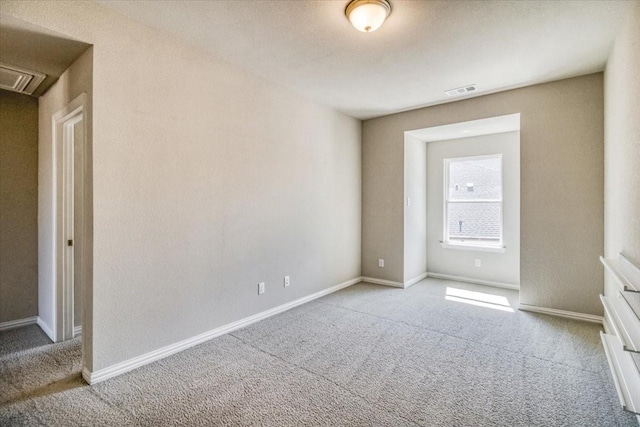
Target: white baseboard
[
  {"x": 77, "y": 330},
  {"x": 12, "y": 324},
  {"x": 415, "y": 280},
  {"x": 136, "y": 362},
  {"x": 474, "y": 281},
  {"x": 562, "y": 313},
  {"x": 46, "y": 329},
  {"x": 383, "y": 282}
]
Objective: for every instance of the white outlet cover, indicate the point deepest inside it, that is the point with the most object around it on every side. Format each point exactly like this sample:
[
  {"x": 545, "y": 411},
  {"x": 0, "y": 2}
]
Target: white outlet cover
[
  {"x": 478, "y": 263},
  {"x": 381, "y": 262},
  {"x": 286, "y": 281},
  {"x": 260, "y": 288}
]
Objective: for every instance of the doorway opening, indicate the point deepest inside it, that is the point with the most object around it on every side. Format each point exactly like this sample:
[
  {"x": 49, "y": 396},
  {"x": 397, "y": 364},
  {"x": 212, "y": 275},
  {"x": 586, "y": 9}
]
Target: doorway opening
[{"x": 46, "y": 180}]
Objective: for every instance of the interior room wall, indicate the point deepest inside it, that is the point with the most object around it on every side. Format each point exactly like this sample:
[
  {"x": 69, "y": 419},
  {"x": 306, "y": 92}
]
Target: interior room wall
[
  {"x": 76, "y": 80},
  {"x": 415, "y": 213},
  {"x": 622, "y": 144},
  {"x": 561, "y": 145},
  {"x": 19, "y": 206},
  {"x": 501, "y": 268},
  {"x": 206, "y": 181}
]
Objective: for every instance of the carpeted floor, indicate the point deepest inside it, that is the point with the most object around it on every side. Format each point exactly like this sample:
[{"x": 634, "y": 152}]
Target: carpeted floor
[
  {"x": 24, "y": 338},
  {"x": 365, "y": 356}
]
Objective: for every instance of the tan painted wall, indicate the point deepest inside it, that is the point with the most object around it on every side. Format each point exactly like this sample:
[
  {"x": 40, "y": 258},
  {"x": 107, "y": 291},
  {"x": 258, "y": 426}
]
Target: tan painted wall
[
  {"x": 206, "y": 181},
  {"x": 18, "y": 206},
  {"x": 561, "y": 187},
  {"x": 622, "y": 143}
]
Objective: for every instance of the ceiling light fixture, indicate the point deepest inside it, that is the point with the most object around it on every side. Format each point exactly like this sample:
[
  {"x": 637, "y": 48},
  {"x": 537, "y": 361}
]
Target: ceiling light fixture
[{"x": 368, "y": 15}]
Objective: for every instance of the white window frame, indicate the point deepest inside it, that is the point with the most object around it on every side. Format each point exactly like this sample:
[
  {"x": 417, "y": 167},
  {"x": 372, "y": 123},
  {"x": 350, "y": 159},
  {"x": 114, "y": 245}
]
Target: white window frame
[{"x": 446, "y": 242}]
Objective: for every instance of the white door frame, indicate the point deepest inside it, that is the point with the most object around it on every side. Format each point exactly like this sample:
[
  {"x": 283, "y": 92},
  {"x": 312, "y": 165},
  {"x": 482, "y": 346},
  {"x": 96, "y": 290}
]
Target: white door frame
[{"x": 63, "y": 123}]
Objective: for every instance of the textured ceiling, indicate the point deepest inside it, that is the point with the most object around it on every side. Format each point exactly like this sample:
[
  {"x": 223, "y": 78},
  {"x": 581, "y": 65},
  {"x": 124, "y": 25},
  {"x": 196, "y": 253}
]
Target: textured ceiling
[{"x": 424, "y": 48}]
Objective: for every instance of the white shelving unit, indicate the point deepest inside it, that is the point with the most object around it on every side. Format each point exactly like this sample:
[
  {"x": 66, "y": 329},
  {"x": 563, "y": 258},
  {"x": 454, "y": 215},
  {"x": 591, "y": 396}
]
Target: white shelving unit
[
  {"x": 623, "y": 338},
  {"x": 624, "y": 271},
  {"x": 622, "y": 322},
  {"x": 624, "y": 372}
]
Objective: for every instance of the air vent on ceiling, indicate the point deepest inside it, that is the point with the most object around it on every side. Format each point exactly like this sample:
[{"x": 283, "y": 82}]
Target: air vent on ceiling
[
  {"x": 461, "y": 90},
  {"x": 19, "y": 80}
]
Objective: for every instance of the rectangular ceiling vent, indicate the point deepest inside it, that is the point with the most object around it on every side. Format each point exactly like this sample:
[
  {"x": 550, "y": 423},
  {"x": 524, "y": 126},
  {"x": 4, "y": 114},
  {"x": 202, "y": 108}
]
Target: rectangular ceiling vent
[
  {"x": 19, "y": 80},
  {"x": 461, "y": 90}
]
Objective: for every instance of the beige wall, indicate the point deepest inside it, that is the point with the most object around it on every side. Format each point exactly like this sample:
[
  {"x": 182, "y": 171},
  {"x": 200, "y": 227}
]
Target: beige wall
[
  {"x": 503, "y": 268},
  {"x": 206, "y": 181},
  {"x": 622, "y": 143},
  {"x": 18, "y": 206},
  {"x": 561, "y": 187}
]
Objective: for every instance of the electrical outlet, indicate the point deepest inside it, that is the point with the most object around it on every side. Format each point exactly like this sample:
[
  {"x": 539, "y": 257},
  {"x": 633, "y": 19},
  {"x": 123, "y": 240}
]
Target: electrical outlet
[
  {"x": 286, "y": 281},
  {"x": 408, "y": 201},
  {"x": 478, "y": 263},
  {"x": 260, "y": 288},
  {"x": 381, "y": 263}
]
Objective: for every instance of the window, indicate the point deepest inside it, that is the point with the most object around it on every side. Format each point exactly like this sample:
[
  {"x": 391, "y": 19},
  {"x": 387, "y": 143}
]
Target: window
[{"x": 473, "y": 201}]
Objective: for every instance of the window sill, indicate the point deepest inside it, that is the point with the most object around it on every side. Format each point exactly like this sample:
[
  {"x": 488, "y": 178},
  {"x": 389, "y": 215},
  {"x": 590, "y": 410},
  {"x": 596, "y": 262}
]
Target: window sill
[{"x": 473, "y": 247}]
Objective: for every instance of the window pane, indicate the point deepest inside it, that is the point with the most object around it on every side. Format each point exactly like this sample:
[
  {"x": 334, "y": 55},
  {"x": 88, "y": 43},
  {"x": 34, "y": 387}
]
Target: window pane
[
  {"x": 474, "y": 221},
  {"x": 479, "y": 179}
]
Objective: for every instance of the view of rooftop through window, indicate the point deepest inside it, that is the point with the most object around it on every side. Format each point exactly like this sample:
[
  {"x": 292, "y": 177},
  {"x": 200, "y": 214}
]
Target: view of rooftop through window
[{"x": 473, "y": 210}]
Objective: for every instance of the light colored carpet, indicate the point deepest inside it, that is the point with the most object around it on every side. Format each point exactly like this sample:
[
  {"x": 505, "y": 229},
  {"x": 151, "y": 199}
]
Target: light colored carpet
[
  {"x": 23, "y": 338},
  {"x": 365, "y": 356}
]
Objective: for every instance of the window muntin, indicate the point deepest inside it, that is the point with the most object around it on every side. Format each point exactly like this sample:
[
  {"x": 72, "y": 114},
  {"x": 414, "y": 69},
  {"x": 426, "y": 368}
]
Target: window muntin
[{"x": 473, "y": 201}]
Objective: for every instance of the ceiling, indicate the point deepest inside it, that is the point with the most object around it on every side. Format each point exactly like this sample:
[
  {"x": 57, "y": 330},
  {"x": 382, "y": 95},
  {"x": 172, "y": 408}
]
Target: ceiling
[
  {"x": 34, "y": 48},
  {"x": 424, "y": 48},
  {"x": 489, "y": 126}
]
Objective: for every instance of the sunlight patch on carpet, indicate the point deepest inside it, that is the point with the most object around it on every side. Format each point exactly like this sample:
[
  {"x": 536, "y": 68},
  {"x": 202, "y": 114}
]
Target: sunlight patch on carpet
[{"x": 480, "y": 299}]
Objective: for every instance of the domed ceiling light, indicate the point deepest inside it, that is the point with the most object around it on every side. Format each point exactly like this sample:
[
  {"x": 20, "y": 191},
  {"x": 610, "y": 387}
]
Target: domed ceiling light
[{"x": 368, "y": 15}]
